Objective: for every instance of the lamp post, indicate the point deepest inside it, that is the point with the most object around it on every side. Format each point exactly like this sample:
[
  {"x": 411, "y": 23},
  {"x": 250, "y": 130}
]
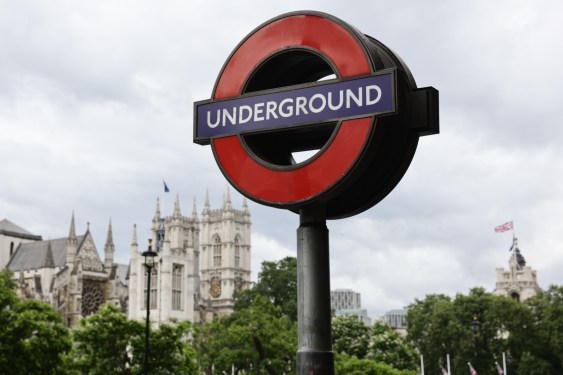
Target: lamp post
[{"x": 149, "y": 264}]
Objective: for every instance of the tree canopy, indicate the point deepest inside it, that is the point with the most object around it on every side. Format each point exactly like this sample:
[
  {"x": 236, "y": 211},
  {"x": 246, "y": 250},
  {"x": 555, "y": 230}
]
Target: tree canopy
[
  {"x": 480, "y": 326},
  {"x": 33, "y": 338}
]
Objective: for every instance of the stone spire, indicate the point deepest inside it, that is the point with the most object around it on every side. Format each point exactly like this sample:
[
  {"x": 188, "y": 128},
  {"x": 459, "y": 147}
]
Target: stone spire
[
  {"x": 227, "y": 204},
  {"x": 49, "y": 260},
  {"x": 134, "y": 243},
  {"x": 206, "y": 204},
  {"x": 109, "y": 250},
  {"x": 177, "y": 213},
  {"x": 194, "y": 211},
  {"x": 156, "y": 218},
  {"x": 71, "y": 244}
]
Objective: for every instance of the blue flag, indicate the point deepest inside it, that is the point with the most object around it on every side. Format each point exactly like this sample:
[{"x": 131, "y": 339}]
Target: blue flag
[{"x": 166, "y": 190}]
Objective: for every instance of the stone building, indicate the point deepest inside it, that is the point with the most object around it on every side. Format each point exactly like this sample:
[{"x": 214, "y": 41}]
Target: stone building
[
  {"x": 11, "y": 236},
  {"x": 200, "y": 264},
  {"x": 69, "y": 274},
  {"x": 519, "y": 281}
]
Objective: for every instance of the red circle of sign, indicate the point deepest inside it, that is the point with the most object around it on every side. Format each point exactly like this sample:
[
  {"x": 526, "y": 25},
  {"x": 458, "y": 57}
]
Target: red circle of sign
[{"x": 303, "y": 182}]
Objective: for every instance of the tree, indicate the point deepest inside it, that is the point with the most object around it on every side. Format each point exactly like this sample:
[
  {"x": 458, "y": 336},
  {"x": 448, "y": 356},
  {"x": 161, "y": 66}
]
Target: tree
[
  {"x": 258, "y": 338},
  {"x": 350, "y": 365},
  {"x": 387, "y": 346},
  {"x": 439, "y": 326},
  {"x": 109, "y": 343},
  {"x": 350, "y": 336},
  {"x": 278, "y": 282},
  {"x": 33, "y": 338}
]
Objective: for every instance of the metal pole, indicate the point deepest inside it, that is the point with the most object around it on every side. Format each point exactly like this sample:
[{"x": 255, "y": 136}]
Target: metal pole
[
  {"x": 314, "y": 351},
  {"x": 421, "y": 365},
  {"x": 504, "y": 363},
  {"x": 149, "y": 271}
]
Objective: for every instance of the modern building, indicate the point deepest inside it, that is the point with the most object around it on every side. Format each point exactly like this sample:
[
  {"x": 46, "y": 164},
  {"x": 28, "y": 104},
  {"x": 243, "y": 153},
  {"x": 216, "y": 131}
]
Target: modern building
[
  {"x": 519, "y": 281},
  {"x": 345, "y": 299},
  {"x": 347, "y": 302},
  {"x": 397, "y": 320}
]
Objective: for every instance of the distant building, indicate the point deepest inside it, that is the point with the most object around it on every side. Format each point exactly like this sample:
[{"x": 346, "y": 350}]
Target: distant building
[
  {"x": 69, "y": 274},
  {"x": 345, "y": 299},
  {"x": 397, "y": 320},
  {"x": 347, "y": 302},
  {"x": 519, "y": 281}
]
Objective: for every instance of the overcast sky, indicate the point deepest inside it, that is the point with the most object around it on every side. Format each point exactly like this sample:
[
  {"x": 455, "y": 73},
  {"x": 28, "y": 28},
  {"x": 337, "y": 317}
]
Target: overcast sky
[{"x": 96, "y": 106}]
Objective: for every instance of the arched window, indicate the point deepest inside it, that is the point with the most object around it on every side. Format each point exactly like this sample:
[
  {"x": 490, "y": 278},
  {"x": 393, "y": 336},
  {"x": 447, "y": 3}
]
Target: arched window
[
  {"x": 515, "y": 296},
  {"x": 216, "y": 251},
  {"x": 237, "y": 251}
]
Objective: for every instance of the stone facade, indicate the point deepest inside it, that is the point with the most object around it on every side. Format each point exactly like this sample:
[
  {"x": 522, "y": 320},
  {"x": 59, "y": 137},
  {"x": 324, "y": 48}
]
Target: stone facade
[
  {"x": 519, "y": 281},
  {"x": 200, "y": 264},
  {"x": 69, "y": 274}
]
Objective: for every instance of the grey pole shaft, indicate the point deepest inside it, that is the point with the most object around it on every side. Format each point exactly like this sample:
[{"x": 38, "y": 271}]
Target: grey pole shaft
[{"x": 314, "y": 352}]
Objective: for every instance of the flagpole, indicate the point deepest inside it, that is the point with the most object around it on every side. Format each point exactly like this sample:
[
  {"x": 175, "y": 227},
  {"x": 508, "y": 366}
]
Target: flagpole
[
  {"x": 448, "y": 361},
  {"x": 421, "y": 365},
  {"x": 504, "y": 363}
]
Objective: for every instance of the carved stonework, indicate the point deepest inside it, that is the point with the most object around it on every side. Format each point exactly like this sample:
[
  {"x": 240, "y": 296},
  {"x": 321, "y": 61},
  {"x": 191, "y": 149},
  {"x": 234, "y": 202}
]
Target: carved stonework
[
  {"x": 215, "y": 290},
  {"x": 92, "y": 297},
  {"x": 90, "y": 258},
  {"x": 238, "y": 284}
]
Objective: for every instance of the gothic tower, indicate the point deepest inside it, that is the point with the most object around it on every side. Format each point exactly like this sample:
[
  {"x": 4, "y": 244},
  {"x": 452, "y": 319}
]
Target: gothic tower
[
  {"x": 225, "y": 255},
  {"x": 519, "y": 281},
  {"x": 175, "y": 278}
]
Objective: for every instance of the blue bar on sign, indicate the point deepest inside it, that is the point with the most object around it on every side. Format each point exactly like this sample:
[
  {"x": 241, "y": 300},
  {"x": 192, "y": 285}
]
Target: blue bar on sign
[{"x": 323, "y": 102}]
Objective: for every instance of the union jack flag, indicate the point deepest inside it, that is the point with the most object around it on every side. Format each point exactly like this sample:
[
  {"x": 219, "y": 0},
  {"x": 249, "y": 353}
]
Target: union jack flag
[
  {"x": 472, "y": 370},
  {"x": 504, "y": 227}
]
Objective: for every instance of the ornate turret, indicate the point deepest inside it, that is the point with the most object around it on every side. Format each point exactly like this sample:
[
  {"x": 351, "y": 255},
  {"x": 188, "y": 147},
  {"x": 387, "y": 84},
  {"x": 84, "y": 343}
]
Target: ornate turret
[
  {"x": 109, "y": 250},
  {"x": 71, "y": 244},
  {"x": 519, "y": 281}
]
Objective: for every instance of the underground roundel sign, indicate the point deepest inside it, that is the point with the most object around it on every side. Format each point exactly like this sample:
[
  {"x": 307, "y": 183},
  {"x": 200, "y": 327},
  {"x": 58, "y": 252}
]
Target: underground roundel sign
[{"x": 307, "y": 81}]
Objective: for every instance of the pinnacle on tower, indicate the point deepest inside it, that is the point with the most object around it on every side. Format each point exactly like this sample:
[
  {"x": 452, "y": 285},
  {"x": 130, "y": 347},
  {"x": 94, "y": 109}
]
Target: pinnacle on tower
[
  {"x": 194, "y": 211},
  {"x": 177, "y": 214},
  {"x": 206, "y": 204},
  {"x": 72, "y": 232},
  {"x": 227, "y": 200},
  {"x": 109, "y": 240},
  {"x": 109, "y": 249},
  {"x": 156, "y": 218},
  {"x": 134, "y": 239}
]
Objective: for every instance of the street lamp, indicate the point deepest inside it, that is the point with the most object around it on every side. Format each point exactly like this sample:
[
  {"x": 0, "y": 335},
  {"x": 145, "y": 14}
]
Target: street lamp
[
  {"x": 475, "y": 325},
  {"x": 149, "y": 264}
]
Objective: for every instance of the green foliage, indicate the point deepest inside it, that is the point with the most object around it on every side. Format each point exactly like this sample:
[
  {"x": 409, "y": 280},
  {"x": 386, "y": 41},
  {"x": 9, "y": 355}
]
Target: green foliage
[
  {"x": 380, "y": 344},
  {"x": 350, "y": 336},
  {"x": 278, "y": 282},
  {"x": 259, "y": 337},
  {"x": 387, "y": 346},
  {"x": 33, "y": 338},
  {"x": 109, "y": 343},
  {"x": 530, "y": 333},
  {"x": 350, "y": 365}
]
